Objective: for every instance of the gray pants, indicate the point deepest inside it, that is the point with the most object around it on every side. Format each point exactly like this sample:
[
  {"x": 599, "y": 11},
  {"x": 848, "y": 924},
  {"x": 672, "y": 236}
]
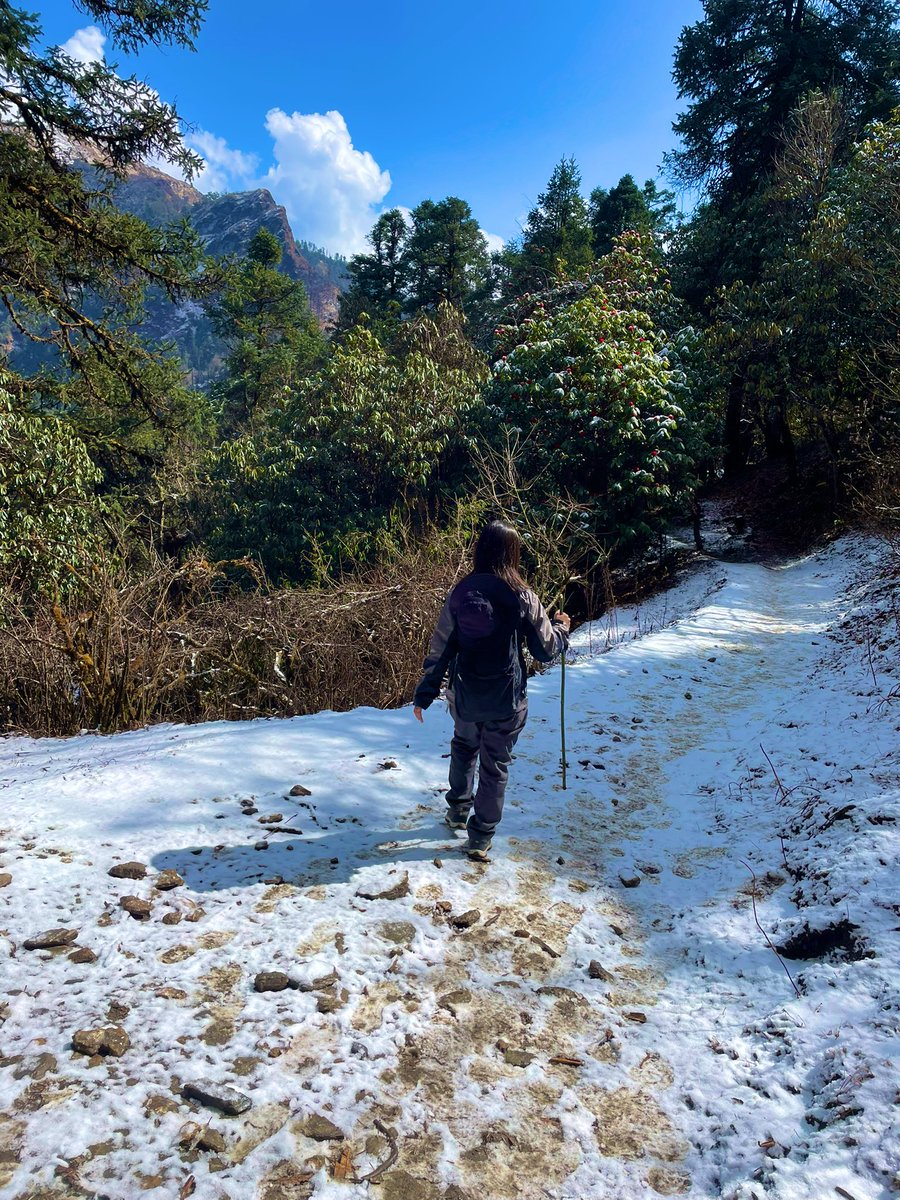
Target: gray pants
[{"x": 489, "y": 743}]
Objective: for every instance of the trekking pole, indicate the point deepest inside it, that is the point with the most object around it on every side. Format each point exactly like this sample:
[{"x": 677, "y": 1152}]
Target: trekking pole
[
  {"x": 562, "y": 698},
  {"x": 562, "y": 714}
]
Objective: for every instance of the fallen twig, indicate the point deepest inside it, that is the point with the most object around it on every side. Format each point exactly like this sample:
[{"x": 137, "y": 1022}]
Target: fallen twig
[
  {"x": 782, "y": 790},
  {"x": 375, "y": 1176},
  {"x": 769, "y": 941}
]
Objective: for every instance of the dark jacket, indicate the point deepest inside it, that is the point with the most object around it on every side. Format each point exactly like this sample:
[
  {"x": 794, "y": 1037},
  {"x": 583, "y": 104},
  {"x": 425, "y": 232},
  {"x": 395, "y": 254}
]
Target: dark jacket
[{"x": 480, "y": 638}]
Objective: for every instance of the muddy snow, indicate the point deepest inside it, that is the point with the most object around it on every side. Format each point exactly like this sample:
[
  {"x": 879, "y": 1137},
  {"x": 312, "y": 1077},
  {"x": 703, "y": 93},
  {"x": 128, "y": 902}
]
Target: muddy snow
[{"x": 677, "y": 977}]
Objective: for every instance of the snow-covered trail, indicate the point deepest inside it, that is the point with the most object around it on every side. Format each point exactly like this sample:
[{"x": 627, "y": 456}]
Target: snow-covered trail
[{"x": 595, "y": 1015}]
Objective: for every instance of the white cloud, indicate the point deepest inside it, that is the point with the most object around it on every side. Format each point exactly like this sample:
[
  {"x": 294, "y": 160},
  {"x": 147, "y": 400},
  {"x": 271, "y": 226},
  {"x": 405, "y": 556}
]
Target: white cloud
[
  {"x": 86, "y": 45},
  {"x": 224, "y": 169},
  {"x": 329, "y": 188},
  {"x": 495, "y": 242},
  {"x": 332, "y": 192}
]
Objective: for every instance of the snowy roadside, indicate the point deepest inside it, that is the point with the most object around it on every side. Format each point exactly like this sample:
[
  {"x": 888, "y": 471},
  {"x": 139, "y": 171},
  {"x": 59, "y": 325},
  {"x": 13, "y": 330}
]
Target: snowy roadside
[{"x": 594, "y": 1014}]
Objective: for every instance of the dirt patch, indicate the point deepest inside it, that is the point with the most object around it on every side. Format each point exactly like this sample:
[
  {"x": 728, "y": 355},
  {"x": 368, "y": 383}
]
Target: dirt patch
[
  {"x": 369, "y": 1011},
  {"x": 272, "y": 896},
  {"x": 758, "y": 889},
  {"x": 12, "y": 1134},
  {"x": 220, "y": 981},
  {"x": 630, "y": 1125},
  {"x": 834, "y": 941}
]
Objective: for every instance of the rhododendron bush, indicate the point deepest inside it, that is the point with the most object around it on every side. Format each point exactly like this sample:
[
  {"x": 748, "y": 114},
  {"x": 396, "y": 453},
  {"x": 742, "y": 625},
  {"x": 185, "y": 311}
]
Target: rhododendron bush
[{"x": 583, "y": 381}]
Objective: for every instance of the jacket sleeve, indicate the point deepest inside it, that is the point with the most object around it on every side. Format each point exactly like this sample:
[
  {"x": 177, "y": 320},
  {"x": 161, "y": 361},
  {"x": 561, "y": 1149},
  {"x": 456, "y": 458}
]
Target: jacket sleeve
[
  {"x": 443, "y": 648},
  {"x": 545, "y": 638}
]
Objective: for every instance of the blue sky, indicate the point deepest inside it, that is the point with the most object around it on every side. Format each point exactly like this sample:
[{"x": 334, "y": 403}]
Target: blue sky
[{"x": 345, "y": 109}]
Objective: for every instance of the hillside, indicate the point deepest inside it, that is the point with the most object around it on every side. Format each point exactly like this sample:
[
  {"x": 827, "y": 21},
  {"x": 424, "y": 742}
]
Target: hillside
[
  {"x": 597, "y": 1012},
  {"x": 228, "y": 222}
]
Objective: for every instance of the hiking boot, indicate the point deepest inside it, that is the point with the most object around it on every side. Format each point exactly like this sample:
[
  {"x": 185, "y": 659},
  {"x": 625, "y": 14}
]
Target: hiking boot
[
  {"x": 457, "y": 815},
  {"x": 478, "y": 845}
]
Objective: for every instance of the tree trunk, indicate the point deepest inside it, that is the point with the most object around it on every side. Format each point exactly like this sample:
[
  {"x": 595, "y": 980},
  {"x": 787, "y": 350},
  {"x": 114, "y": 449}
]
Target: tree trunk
[{"x": 735, "y": 457}]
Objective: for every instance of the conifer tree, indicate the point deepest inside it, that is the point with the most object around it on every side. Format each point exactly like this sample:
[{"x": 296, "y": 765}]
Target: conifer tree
[
  {"x": 558, "y": 234},
  {"x": 748, "y": 63},
  {"x": 445, "y": 257},
  {"x": 73, "y": 268},
  {"x": 273, "y": 338},
  {"x": 377, "y": 280}
]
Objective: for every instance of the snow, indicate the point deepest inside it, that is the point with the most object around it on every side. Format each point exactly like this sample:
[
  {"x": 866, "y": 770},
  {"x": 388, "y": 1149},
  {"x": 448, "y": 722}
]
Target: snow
[{"x": 736, "y": 726}]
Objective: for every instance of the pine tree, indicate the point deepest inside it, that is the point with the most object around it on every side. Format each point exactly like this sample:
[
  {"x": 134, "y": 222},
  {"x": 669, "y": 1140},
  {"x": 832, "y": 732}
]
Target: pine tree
[
  {"x": 445, "y": 257},
  {"x": 73, "y": 269},
  {"x": 558, "y": 235},
  {"x": 274, "y": 340},
  {"x": 377, "y": 280},
  {"x": 748, "y": 63}
]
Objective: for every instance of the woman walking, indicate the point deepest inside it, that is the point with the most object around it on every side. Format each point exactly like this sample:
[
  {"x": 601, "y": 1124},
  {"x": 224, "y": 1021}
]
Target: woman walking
[{"x": 488, "y": 619}]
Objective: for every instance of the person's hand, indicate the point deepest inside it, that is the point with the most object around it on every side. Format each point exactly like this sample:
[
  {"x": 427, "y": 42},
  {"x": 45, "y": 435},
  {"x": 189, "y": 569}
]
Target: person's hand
[
  {"x": 417, "y": 713},
  {"x": 563, "y": 619}
]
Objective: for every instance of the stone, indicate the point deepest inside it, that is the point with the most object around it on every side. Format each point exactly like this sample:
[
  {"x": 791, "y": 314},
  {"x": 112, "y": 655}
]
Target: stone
[
  {"x": 596, "y": 971},
  {"x": 136, "y": 907},
  {"x": 443, "y": 906},
  {"x": 115, "y": 1041},
  {"x": 51, "y": 938},
  {"x": 217, "y": 1095},
  {"x": 82, "y": 956},
  {"x": 322, "y": 983},
  {"x": 401, "y": 933},
  {"x": 452, "y": 1000},
  {"x": 330, "y": 1003},
  {"x": 168, "y": 879},
  {"x": 170, "y": 993},
  {"x": 438, "y": 863},
  {"x": 128, "y": 870},
  {"x": 117, "y": 1012},
  {"x": 389, "y": 764},
  {"x": 172, "y": 918},
  {"x": 158, "y": 1104},
  {"x": 395, "y": 892},
  {"x": 630, "y": 881},
  {"x": 5, "y": 880},
  {"x": 272, "y": 819},
  {"x": 517, "y": 1058},
  {"x": 260, "y": 845},
  {"x": 299, "y": 790},
  {"x": 88, "y": 1041},
  {"x": 272, "y": 981},
  {"x": 110, "y": 1039},
  {"x": 202, "y": 1139},
  {"x": 36, "y": 1068},
  {"x": 466, "y": 920},
  {"x": 320, "y": 1129}
]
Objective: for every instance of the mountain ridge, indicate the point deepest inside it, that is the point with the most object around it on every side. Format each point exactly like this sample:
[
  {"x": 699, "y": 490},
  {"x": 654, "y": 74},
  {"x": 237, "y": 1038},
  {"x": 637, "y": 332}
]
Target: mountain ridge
[{"x": 227, "y": 222}]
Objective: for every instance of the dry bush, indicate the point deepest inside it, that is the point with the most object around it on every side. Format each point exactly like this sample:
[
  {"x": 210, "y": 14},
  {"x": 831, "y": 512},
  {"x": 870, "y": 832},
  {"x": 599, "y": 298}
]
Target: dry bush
[
  {"x": 564, "y": 561},
  {"x": 189, "y": 643}
]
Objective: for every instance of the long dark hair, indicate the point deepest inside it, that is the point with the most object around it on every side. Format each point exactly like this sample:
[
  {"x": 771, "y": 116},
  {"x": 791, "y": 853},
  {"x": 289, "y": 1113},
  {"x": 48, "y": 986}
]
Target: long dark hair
[{"x": 498, "y": 551}]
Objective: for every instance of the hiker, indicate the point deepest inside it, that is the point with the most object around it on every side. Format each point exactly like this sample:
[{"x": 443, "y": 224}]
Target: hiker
[{"x": 488, "y": 619}]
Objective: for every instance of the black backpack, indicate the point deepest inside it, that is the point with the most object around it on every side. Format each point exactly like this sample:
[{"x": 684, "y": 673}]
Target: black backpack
[{"x": 488, "y": 674}]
